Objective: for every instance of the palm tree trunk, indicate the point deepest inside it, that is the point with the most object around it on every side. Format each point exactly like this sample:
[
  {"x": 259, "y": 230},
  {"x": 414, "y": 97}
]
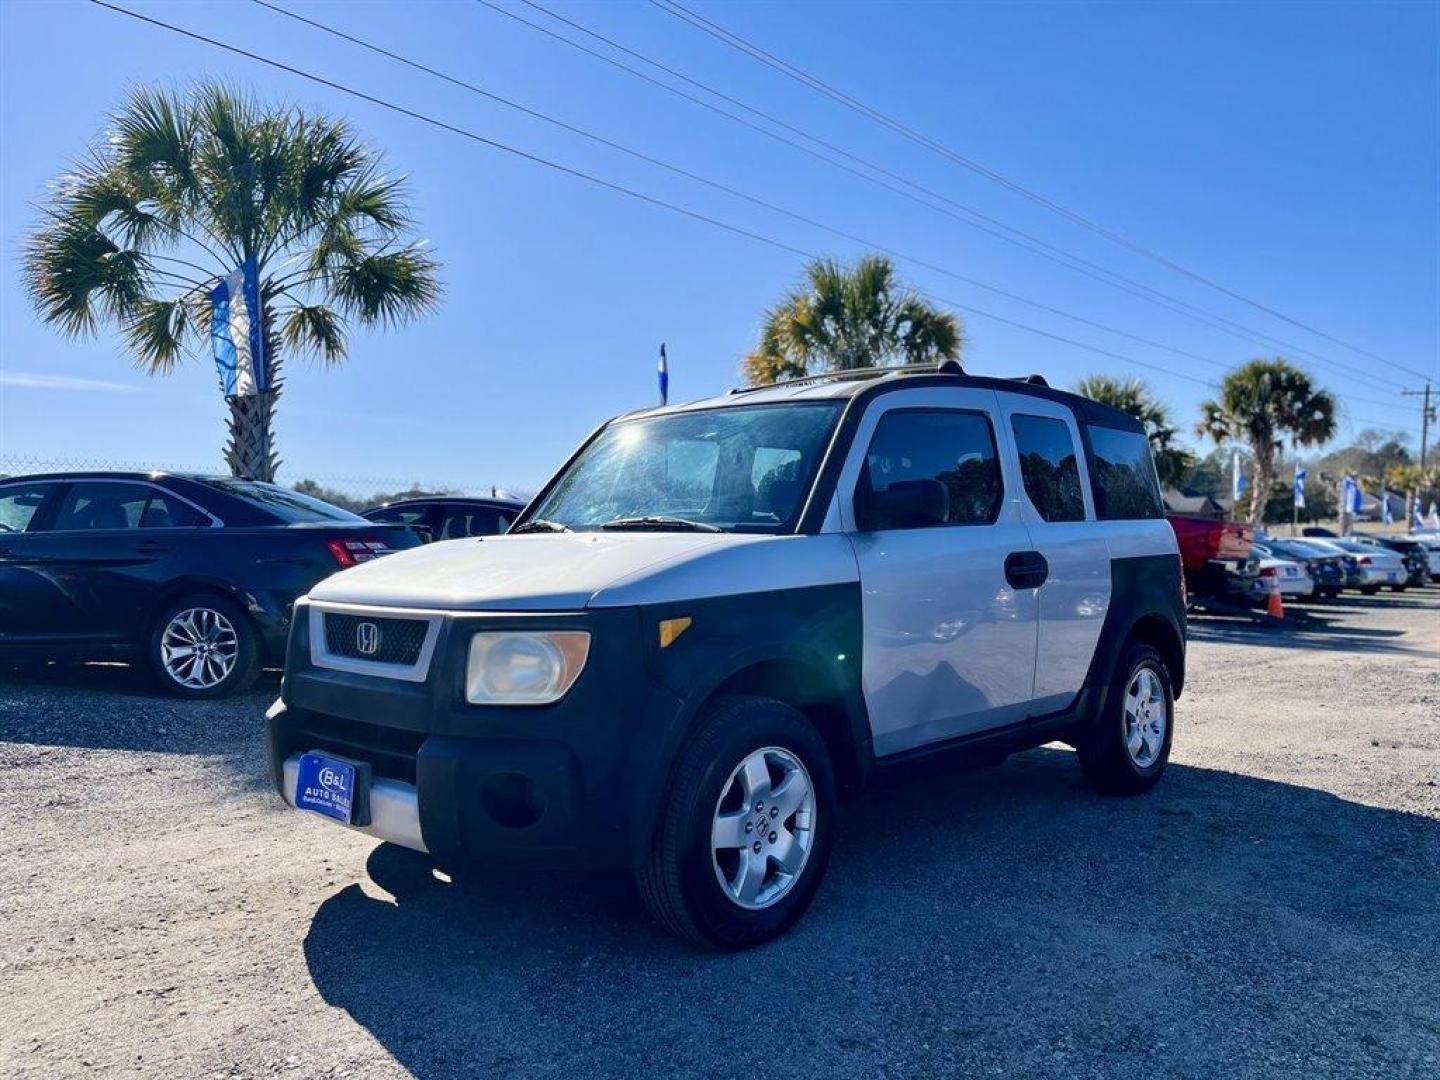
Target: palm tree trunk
[
  {"x": 250, "y": 451},
  {"x": 1264, "y": 481}
]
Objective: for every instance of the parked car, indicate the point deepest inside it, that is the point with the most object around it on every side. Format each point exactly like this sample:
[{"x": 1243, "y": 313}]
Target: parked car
[
  {"x": 445, "y": 517},
  {"x": 1290, "y": 577},
  {"x": 1216, "y": 557},
  {"x": 194, "y": 575},
  {"x": 1431, "y": 543},
  {"x": 1326, "y": 567},
  {"x": 1376, "y": 567},
  {"x": 719, "y": 618},
  {"x": 1411, "y": 552}
]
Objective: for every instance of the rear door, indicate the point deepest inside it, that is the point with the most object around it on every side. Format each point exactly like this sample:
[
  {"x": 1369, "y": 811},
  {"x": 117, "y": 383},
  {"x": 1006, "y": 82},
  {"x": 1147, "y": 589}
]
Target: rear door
[
  {"x": 949, "y": 643},
  {"x": 1056, "y": 506}
]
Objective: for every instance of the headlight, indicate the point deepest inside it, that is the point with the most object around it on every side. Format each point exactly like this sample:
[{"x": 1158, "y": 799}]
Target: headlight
[{"x": 532, "y": 668}]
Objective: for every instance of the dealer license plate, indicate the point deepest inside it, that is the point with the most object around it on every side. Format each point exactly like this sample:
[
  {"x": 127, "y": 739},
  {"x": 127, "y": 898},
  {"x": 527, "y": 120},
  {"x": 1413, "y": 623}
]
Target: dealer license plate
[{"x": 326, "y": 785}]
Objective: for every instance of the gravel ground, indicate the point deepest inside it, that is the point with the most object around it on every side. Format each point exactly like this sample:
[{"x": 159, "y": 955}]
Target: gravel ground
[{"x": 1273, "y": 908}]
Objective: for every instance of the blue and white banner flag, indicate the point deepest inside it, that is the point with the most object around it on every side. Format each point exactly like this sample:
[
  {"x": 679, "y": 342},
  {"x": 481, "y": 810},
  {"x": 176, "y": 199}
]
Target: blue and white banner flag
[
  {"x": 1352, "y": 496},
  {"x": 1300, "y": 475},
  {"x": 662, "y": 372},
  {"x": 1238, "y": 482},
  {"x": 1434, "y": 516},
  {"x": 1419, "y": 521},
  {"x": 237, "y": 335},
  {"x": 1387, "y": 516}
]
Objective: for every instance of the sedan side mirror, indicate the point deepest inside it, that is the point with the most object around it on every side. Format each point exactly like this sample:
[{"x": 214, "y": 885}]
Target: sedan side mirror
[{"x": 907, "y": 504}]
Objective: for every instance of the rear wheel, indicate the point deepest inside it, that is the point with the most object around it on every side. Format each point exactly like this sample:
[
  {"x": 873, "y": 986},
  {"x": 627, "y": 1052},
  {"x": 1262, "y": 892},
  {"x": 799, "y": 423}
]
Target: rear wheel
[
  {"x": 745, "y": 832},
  {"x": 1127, "y": 746},
  {"x": 204, "y": 647}
]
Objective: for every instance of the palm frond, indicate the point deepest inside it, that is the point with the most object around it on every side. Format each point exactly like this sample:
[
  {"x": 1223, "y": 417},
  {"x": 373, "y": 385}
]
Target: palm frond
[
  {"x": 386, "y": 289},
  {"x": 156, "y": 333},
  {"x": 314, "y": 330}
]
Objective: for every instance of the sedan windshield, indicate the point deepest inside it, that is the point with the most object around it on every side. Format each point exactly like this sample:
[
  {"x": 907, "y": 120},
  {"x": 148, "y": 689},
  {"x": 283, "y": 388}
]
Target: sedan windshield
[{"x": 741, "y": 469}]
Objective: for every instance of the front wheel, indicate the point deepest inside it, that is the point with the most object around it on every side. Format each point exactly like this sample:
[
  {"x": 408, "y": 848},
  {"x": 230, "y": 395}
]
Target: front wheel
[
  {"x": 204, "y": 647},
  {"x": 745, "y": 832},
  {"x": 1126, "y": 748}
]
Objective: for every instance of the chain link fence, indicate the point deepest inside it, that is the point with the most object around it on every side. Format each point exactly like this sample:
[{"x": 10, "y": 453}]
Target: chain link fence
[{"x": 349, "y": 491}]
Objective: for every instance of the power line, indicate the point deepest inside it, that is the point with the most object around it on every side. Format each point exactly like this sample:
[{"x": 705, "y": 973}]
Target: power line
[
  {"x": 737, "y": 193},
  {"x": 735, "y": 41},
  {"x": 649, "y": 159},
  {"x": 957, "y": 211},
  {"x": 579, "y": 174}
]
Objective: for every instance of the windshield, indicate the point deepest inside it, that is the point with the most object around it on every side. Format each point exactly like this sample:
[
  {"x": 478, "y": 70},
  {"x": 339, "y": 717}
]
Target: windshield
[
  {"x": 741, "y": 469},
  {"x": 289, "y": 506}
]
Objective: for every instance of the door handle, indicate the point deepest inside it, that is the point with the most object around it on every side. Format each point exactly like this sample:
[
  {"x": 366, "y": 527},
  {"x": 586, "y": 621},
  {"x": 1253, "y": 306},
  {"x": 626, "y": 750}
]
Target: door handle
[{"x": 1026, "y": 569}]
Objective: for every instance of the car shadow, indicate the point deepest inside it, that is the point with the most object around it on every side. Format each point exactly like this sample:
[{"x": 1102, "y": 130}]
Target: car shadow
[
  {"x": 119, "y": 707},
  {"x": 1304, "y": 628},
  {"x": 972, "y": 923}
]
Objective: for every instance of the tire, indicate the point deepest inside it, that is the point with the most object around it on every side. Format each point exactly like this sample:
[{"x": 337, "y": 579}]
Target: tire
[
  {"x": 1369, "y": 590},
  {"x": 1398, "y": 588},
  {"x": 232, "y": 662},
  {"x": 680, "y": 882},
  {"x": 1105, "y": 757}
]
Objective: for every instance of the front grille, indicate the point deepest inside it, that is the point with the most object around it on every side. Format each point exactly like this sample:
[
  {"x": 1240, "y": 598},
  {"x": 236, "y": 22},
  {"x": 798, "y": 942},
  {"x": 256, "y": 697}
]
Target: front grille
[
  {"x": 390, "y": 752},
  {"x": 388, "y": 641}
]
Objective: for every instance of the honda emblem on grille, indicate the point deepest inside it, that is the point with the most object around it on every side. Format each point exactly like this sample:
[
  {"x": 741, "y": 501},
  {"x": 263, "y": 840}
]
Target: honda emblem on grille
[{"x": 367, "y": 638}]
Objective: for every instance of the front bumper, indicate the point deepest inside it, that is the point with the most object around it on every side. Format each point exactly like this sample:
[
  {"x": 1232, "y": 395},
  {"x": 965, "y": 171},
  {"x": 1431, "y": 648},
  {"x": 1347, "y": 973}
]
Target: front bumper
[{"x": 575, "y": 782}]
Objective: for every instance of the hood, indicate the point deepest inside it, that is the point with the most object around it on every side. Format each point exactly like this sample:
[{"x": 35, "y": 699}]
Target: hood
[
  {"x": 569, "y": 571},
  {"x": 531, "y": 572}
]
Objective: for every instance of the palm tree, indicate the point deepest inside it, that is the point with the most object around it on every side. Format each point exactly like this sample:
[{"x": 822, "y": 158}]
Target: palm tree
[
  {"x": 854, "y": 317},
  {"x": 1260, "y": 404},
  {"x": 189, "y": 186},
  {"x": 1133, "y": 396}
]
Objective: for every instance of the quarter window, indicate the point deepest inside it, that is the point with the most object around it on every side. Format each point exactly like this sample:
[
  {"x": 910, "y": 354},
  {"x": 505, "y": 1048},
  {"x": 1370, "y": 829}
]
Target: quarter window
[
  {"x": 1049, "y": 467},
  {"x": 18, "y": 505},
  {"x": 954, "y": 447},
  {"x": 1125, "y": 482}
]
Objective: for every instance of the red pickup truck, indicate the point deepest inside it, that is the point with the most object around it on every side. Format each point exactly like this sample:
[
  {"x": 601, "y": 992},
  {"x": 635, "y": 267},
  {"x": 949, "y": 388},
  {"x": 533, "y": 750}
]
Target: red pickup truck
[{"x": 1215, "y": 556}]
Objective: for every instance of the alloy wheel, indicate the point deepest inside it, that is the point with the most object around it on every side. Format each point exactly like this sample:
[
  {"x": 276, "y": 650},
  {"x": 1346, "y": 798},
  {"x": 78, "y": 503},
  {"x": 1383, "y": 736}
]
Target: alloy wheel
[
  {"x": 1147, "y": 715},
  {"x": 763, "y": 828},
  {"x": 199, "y": 648}
]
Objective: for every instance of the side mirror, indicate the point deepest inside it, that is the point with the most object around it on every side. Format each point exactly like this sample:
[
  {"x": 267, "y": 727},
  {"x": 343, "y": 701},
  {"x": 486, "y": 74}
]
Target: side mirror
[{"x": 907, "y": 504}]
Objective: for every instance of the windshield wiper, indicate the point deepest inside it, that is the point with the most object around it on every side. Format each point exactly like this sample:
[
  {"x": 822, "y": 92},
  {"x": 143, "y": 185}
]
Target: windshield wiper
[
  {"x": 539, "y": 525},
  {"x": 661, "y": 523}
]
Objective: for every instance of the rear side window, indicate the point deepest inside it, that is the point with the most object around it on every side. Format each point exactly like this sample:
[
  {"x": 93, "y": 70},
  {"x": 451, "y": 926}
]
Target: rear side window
[
  {"x": 956, "y": 448},
  {"x": 1126, "y": 485},
  {"x": 462, "y": 521},
  {"x": 102, "y": 505},
  {"x": 1049, "y": 467},
  {"x": 165, "y": 511},
  {"x": 288, "y": 506}
]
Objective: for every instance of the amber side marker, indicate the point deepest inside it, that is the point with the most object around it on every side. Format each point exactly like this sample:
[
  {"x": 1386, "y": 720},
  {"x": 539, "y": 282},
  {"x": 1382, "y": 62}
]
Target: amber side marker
[{"x": 670, "y": 629}]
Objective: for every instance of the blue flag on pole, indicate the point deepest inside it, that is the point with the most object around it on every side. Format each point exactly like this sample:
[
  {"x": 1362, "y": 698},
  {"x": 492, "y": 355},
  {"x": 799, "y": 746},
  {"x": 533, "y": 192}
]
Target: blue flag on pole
[
  {"x": 662, "y": 371},
  {"x": 1238, "y": 482},
  {"x": 236, "y": 334},
  {"x": 1300, "y": 475},
  {"x": 1386, "y": 514},
  {"x": 1352, "y": 496}
]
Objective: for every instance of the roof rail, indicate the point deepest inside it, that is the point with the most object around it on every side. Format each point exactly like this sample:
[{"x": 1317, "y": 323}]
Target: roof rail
[
  {"x": 945, "y": 367},
  {"x": 1032, "y": 380}
]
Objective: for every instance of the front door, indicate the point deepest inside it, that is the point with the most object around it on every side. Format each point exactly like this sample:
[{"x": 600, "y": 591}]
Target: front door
[{"x": 949, "y": 643}]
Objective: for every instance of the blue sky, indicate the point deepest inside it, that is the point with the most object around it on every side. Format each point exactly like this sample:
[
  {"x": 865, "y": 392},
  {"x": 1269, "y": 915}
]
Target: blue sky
[{"x": 1289, "y": 151}]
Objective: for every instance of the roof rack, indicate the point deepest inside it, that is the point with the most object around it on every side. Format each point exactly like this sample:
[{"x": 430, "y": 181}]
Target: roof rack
[{"x": 945, "y": 367}]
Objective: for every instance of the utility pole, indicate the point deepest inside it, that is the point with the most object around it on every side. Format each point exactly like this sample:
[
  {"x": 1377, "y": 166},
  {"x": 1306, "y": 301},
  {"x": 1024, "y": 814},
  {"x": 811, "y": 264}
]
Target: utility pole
[{"x": 1427, "y": 414}]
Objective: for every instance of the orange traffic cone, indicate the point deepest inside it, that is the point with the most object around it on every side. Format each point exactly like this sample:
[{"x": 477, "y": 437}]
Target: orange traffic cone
[{"x": 1274, "y": 608}]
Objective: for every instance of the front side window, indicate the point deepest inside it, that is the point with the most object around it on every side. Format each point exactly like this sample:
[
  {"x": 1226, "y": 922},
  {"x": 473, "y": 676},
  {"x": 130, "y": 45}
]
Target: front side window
[
  {"x": 1125, "y": 483},
  {"x": 1049, "y": 467},
  {"x": 95, "y": 505},
  {"x": 955, "y": 448},
  {"x": 741, "y": 468},
  {"x": 18, "y": 504}
]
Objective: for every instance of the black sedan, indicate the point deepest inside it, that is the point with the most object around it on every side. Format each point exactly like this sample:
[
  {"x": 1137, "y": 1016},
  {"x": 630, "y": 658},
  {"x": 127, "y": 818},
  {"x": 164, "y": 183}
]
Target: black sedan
[
  {"x": 193, "y": 575},
  {"x": 450, "y": 517}
]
